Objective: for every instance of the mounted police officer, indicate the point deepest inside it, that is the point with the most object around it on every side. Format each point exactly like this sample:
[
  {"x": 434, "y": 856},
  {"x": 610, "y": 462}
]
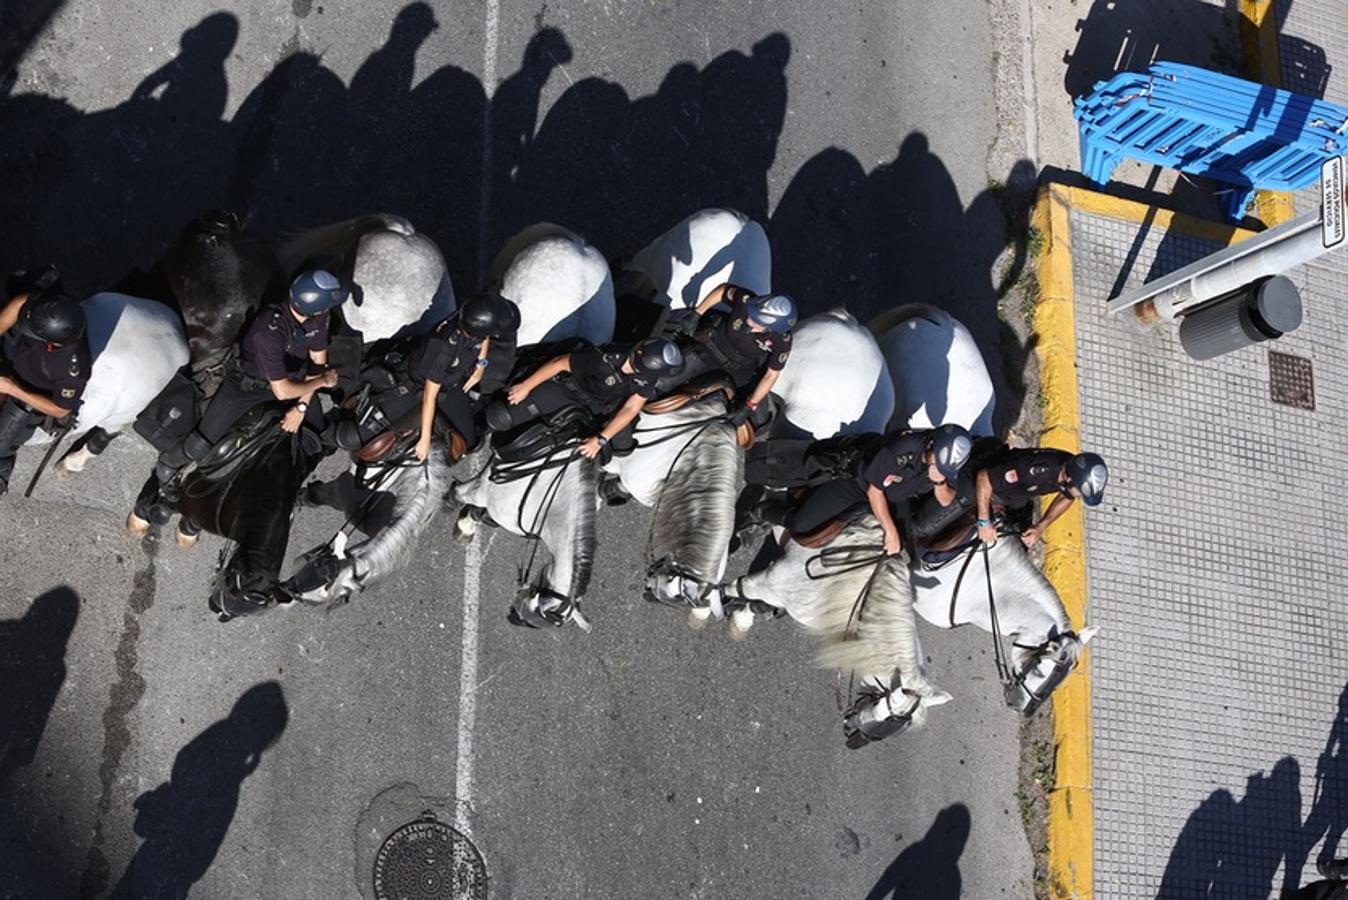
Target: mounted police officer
[
  {"x": 1016, "y": 478},
  {"x": 47, "y": 370},
  {"x": 438, "y": 372},
  {"x": 886, "y": 474},
  {"x": 273, "y": 364},
  {"x": 613, "y": 383},
  {"x": 750, "y": 343}
]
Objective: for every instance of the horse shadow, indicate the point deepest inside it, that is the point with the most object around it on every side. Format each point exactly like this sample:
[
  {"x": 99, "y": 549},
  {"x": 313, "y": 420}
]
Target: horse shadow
[
  {"x": 184, "y": 820},
  {"x": 929, "y": 868},
  {"x": 1328, "y": 816}
]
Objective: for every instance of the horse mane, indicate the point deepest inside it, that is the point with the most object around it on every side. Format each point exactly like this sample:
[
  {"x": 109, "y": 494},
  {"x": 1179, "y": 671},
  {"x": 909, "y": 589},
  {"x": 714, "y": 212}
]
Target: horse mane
[
  {"x": 694, "y": 517},
  {"x": 879, "y": 637},
  {"x": 417, "y": 499},
  {"x": 580, "y": 512}
]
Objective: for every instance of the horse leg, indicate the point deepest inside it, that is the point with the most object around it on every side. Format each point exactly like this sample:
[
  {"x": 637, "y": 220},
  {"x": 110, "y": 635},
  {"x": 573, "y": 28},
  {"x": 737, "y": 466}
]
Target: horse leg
[
  {"x": 91, "y": 445},
  {"x": 148, "y": 511},
  {"x": 743, "y": 609},
  {"x": 188, "y": 533}
]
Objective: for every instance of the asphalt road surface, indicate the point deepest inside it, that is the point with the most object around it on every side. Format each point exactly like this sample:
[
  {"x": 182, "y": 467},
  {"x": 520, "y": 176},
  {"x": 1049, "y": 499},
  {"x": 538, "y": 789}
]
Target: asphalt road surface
[{"x": 267, "y": 757}]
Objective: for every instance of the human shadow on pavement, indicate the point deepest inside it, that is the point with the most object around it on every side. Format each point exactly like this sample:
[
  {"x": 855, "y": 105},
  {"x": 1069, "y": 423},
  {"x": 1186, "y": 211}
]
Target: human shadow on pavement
[
  {"x": 1232, "y": 848},
  {"x": 1328, "y": 816},
  {"x": 305, "y": 149},
  {"x": 32, "y": 671},
  {"x": 104, "y": 191},
  {"x": 184, "y": 820},
  {"x": 930, "y": 868},
  {"x": 871, "y": 241}
]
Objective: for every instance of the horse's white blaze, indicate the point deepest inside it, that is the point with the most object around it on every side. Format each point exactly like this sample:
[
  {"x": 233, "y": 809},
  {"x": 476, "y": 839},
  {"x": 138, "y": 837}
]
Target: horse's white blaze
[
  {"x": 707, "y": 249},
  {"x": 836, "y": 380},
  {"x": 137, "y": 346},
  {"x": 561, "y": 284},
  {"x": 938, "y": 372}
]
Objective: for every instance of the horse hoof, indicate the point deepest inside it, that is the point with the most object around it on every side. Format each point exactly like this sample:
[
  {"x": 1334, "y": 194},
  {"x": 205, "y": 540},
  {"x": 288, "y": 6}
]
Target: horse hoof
[
  {"x": 136, "y": 525},
  {"x": 73, "y": 464},
  {"x": 185, "y": 540},
  {"x": 741, "y": 620},
  {"x": 698, "y": 617}
]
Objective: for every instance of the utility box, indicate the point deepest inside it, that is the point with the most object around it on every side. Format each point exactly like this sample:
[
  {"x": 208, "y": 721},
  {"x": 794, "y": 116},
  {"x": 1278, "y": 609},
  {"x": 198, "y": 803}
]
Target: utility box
[{"x": 1262, "y": 311}]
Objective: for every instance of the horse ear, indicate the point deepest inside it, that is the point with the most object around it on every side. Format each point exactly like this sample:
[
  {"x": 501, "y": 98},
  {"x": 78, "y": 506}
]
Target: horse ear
[
  {"x": 1085, "y": 634},
  {"x": 935, "y": 698}
]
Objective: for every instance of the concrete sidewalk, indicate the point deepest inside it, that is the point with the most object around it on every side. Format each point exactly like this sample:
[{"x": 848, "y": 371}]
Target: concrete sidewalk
[{"x": 1218, "y": 723}]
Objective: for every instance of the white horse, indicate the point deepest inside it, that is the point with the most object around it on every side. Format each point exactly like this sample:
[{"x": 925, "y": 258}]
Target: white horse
[
  {"x": 562, "y": 286},
  {"x": 939, "y": 376},
  {"x": 836, "y": 380},
  {"x": 709, "y": 248},
  {"x": 400, "y": 285},
  {"x": 689, "y": 466},
  {"x": 967, "y": 589},
  {"x": 137, "y": 345},
  {"x": 564, "y": 290},
  {"x": 860, "y": 603}
]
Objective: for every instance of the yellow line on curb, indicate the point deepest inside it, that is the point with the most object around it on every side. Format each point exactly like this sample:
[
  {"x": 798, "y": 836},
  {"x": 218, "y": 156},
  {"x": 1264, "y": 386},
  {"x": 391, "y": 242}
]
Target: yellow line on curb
[
  {"x": 1259, "y": 47},
  {"x": 1070, "y": 803}
]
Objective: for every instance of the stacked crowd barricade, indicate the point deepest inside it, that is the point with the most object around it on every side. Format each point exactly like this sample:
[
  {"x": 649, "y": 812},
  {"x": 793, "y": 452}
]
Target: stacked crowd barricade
[{"x": 1246, "y": 135}]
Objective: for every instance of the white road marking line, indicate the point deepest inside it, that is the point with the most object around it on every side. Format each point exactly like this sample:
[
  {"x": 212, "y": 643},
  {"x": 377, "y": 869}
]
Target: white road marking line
[
  {"x": 489, "y": 41},
  {"x": 473, "y": 561}
]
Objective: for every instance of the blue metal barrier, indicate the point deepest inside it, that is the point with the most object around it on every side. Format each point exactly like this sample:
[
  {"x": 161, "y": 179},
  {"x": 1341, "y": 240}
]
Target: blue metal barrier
[{"x": 1247, "y": 135}]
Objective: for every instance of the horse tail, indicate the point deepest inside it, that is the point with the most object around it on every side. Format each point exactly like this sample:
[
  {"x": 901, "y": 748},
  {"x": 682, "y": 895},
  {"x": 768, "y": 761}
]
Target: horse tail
[{"x": 336, "y": 239}]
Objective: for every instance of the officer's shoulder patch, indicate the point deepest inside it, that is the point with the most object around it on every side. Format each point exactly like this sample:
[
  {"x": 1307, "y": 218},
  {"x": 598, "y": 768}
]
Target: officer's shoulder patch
[
  {"x": 67, "y": 393},
  {"x": 75, "y": 367},
  {"x": 1012, "y": 476},
  {"x": 275, "y": 321},
  {"x": 737, "y": 323}
]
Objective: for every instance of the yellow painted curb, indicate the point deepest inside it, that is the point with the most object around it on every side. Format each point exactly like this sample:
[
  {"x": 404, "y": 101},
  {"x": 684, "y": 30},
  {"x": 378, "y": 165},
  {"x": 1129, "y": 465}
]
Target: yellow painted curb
[
  {"x": 1070, "y": 804},
  {"x": 1259, "y": 47}
]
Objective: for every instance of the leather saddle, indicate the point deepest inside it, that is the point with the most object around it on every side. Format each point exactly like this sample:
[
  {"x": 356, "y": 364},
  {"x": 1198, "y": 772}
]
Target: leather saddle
[
  {"x": 693, "y": 391},
  {"x": 403, "y": 434}
]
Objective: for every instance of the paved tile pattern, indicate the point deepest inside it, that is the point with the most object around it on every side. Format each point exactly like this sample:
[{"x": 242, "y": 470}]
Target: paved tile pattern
[
  {"x": 1312, "y": 38},
  {"x": 1215, "y": 574}
]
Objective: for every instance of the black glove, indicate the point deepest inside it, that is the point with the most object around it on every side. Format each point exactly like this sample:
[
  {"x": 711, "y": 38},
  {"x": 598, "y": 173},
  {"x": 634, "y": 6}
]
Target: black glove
[
  {"x": 739, "y": 415},
  {"x": 688, "y": 324}
]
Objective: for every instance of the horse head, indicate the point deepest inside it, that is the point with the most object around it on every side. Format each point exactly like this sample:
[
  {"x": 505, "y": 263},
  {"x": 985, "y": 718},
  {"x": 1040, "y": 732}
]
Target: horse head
[
  {"x": 1041, "y": 669},
  {"x": 219, "y": 273}
]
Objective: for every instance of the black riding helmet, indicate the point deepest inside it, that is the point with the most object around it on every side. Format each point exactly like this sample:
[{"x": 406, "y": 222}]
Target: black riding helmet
[
  {"x": 1088, "y": 474},
  {"x": 317, "y": 291},
  {"x": 951, "y": 445},
  {"x": 52, "y": 319},
  {"x": 657, "y": 357},
  {"x": 489, "y": 316}
]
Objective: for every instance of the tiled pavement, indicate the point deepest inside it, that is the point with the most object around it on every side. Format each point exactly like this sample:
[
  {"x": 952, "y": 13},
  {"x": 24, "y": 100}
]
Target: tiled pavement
[{"x": 1216, "y": 573}]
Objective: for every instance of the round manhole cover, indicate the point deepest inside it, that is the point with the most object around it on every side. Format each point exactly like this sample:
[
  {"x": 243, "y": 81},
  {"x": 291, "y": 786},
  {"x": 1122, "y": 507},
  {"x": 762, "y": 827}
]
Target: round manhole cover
[{"x": 428, "y": 860}]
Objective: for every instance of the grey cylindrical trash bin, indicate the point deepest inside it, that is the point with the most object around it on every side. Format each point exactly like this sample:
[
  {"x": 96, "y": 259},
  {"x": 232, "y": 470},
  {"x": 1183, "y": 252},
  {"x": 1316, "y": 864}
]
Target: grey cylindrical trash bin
[{"x": 1265, "y": 310}]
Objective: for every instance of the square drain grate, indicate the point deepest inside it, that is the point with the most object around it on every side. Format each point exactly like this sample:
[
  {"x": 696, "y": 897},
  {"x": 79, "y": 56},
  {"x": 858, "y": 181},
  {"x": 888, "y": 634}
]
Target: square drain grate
[{"x": 1290, "y": 380}]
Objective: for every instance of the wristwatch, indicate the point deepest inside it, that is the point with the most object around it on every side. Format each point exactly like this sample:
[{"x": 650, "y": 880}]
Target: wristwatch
[{"x": 302, "y": 406}]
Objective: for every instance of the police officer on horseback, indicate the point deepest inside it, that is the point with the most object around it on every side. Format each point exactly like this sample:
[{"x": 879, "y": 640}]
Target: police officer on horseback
[
  {"x": 47, "y": 371},
  {"x": 277, "y": 354},
  {"x": 612, "y": 383},
  {"x": 436, "y": 375},
  {"x": 1016, "y": 478},
  {"x": 885, "y": 473},
  {"x": 750, "y": 343}
]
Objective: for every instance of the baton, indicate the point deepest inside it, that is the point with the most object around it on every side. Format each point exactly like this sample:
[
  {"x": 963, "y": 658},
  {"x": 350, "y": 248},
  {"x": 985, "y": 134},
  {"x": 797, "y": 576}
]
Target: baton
[{"x": 46, "y": 457}]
